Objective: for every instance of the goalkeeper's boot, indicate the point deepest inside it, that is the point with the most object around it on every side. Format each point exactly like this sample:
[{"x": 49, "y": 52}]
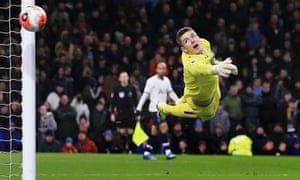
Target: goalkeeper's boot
[
  {"x": 160, "y": 114},
  {"x": 149, "y": 156}
]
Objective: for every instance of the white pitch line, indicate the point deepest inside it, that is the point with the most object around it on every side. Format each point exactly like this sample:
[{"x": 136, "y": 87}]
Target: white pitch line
[{"x": 162, "y": 175}]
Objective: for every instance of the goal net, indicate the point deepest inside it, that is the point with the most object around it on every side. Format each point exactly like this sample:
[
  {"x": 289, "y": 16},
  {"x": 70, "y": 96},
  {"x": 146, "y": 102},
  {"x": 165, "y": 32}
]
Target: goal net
[{"x": 17, "y": 94}]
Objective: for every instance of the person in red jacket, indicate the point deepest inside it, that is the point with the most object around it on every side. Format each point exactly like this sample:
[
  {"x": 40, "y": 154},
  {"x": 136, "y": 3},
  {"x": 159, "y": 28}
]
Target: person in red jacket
[
  {"x": 68, "y": 147},
  {"x": 86, "y": 145}
]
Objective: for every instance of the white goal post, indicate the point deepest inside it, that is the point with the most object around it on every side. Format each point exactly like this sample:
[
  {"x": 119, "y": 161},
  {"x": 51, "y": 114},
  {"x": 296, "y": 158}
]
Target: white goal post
[{"x": 28, "y": 101}]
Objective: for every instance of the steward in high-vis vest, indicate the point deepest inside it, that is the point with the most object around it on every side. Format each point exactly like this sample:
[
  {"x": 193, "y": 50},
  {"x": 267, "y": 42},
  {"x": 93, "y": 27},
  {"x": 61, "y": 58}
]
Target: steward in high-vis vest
[{"x": 240, "y": 145}]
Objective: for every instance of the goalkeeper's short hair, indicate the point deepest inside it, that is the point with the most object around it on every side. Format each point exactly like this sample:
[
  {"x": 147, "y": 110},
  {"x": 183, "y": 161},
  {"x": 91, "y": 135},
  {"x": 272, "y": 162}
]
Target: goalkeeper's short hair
[{"x": 180, "y": 32}]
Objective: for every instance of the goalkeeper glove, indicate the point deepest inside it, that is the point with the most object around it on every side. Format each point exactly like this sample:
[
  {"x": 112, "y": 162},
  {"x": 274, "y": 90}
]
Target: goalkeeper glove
[
  {"x": 224, "y": 69},
  {"x": 234, "y": 69},
  {"x": 226, "y": 61}
]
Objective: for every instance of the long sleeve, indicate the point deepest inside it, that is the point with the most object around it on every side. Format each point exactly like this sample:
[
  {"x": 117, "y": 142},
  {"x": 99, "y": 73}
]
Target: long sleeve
[
  {"x": 142, "y": 101},
  {"x": 173, "y": 96},
  {"x": 199, "y": 68}
]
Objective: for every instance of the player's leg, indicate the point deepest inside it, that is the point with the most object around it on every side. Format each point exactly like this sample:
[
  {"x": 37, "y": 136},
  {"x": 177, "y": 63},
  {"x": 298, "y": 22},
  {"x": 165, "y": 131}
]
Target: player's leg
[
  {"x": 121, "y": 126},
  {"x": 129, "y": 124},
  {"x": 149, "y": 144},
  {"x": 130, "y": 127},
  {"x": 183, "y": 110},
  {"x": 165, "y": 143}
]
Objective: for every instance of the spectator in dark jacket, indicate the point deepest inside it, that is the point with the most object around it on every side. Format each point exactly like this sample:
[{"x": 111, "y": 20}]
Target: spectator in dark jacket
[
  {"x": 268, "y": 107},
  {"x": 261, "y": 142},
  {"x": 65, "y": 116},
  {"x": 49, "y": 144},
  {"x": 197, "y": 138},
  {"x": 279, "y": 138},
  {"x": 251, "y": 104}
]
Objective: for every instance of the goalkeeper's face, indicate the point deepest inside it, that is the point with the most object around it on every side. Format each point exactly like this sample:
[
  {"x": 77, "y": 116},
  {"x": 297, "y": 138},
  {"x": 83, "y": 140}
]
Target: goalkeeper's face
[{"x": 190, "y": 42}]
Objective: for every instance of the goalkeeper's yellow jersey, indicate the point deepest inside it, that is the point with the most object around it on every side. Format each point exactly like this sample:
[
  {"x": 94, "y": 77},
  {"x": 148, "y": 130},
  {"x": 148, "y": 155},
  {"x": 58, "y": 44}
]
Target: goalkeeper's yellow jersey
[{"x": 200, "y": 83}]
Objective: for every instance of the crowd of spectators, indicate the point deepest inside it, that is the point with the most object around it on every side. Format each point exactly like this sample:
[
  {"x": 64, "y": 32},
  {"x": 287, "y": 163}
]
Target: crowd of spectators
[{"x": 86, "y": 44}]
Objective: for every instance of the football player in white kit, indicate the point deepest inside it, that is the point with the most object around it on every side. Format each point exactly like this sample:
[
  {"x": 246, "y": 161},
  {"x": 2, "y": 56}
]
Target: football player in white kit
[{"x": 157, "y": 89}]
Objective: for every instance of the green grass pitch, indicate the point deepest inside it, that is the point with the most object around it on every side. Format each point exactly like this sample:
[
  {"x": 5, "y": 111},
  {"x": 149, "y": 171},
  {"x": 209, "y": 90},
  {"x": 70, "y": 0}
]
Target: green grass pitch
[{"x": 187, "y": 167}]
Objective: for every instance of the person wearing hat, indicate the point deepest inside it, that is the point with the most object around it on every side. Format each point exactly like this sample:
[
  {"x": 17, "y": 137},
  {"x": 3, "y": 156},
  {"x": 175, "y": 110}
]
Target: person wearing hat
[
  {"x": 197, "y": 137},
  {"x": 110, "y": 142},
  {"x": 68, "y": 147},
  {"x": 49, "y": 143}
]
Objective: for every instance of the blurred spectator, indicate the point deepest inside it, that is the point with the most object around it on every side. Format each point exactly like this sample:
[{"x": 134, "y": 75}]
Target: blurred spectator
[
  {"x": 49, "y": 143},
  {"x": 283, "y": 110},
  {"x": 68, "y": 147},
  {"x": 99, "y": 119},
  {"x": 141, "y": 63},
  {"x": 11, "y": 139},
  {"x": 81, "y": 108},
  {"x": 46, "y": 121},
  {"x": 296, "y": 90},
  {"x": 77, "y": 67},
  {"x": 110, "y": 142},
  {"x": 233, "y": 105},
  {"x": 2, "y": 140},
  {"x": 197, "y": 138},
  {"x": 177, "y": 82},
  {"x": 297, "y": 118},
  {"x": 285, "y": 77},
  {"x": 65, "y": 45},
  {"x": 178, "y": 139},
  {"x": 83, "y": 125},
  {"x": 93, "y": 91},
  {"x": 85, "y": 145},
  {"x": 273, "y": 30},
  {"x": 221, "y": 119},
  {"x": 251, "y": 104},
  {"x": 42, "y": 87},
  {"x": 53, "y": 98},
  {"x": 262, "y": 145},
  {"x": 253, "y": 35},
  {"x": 158, "y": 57},
  {"x": 280, "y": 139},
  {"x": 110, "y": 81},
  {"x": 256, "y": 88},
  {"x": 294, "y": 144},
  {"x": 240, "y": 145},
  {"x": 65, "y": 117},
  {"x": 268, "y": 108},
  {"x": 218, "y": 141}
]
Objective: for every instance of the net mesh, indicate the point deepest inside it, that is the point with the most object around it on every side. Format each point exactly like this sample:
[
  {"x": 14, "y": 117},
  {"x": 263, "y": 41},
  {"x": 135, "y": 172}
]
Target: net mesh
[{"x": 10, "y": 91}]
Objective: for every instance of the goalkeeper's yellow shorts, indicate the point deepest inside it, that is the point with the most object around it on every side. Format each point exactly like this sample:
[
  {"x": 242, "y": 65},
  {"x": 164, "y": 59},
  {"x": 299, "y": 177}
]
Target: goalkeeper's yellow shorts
[{"x": 206, "y": 112}]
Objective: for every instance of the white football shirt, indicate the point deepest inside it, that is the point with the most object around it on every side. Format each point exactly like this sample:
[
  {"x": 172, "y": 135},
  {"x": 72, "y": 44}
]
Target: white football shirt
[{"x": 157, "y": 90}]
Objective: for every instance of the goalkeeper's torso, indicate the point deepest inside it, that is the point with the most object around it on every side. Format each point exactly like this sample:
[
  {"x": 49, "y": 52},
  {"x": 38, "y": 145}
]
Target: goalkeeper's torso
[{"x": 204, "y": 85}]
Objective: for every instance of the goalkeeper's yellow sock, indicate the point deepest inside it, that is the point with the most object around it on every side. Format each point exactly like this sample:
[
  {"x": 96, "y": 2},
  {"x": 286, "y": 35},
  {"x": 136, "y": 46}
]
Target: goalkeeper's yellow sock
[{"x": 180, "y": 110}]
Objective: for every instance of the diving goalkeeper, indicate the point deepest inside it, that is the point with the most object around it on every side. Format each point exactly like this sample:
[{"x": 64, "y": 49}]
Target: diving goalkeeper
[{"x": 201, "y": 71}]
